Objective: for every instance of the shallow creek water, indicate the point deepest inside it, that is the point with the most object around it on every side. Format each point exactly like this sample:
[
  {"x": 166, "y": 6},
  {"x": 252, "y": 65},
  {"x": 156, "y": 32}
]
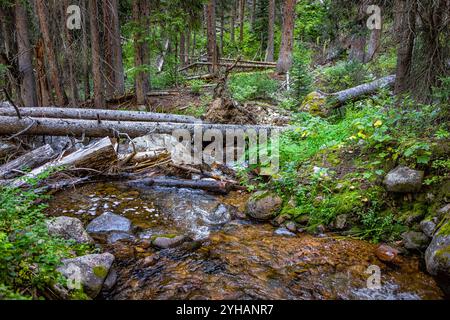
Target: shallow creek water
[{"x": 230, "y": 258}]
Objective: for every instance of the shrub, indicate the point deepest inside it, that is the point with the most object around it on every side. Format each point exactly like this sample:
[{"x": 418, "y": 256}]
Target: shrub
[
  {"x": 250, "y": 86},
  {"x": 344, "y": 75}
]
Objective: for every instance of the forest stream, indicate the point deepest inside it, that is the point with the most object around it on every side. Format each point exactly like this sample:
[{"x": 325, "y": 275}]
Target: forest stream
[{"x": 227, "y": 256}]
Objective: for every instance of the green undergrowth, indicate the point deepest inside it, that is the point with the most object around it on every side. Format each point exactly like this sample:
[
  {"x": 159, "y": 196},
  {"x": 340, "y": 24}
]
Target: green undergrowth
[
  {"x": 330, "y": 167},
  {"x": 29, "y": 256}
]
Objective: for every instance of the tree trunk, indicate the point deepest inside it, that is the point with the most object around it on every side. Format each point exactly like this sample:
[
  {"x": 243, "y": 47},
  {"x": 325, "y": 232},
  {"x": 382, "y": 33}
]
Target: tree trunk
[
  {"x": 141, "y": 14},
  {"x": 116, "y": 83},
  {"x": 182, "y": 48},
  {"x": 253, "y": 14},
  {"x": 43, "y": 91},
  {"x": 374, "y": 45},
  {"x": 98, "y": 156},
  {"x": 339, "y": 98},
  {"x": 27, "y": 80},
  {"x": 85, "y": 63},
  {"x": 61, "y": 98},
  {"x": 270, "y": 40},
  {"x": 28, "y": 161},
  {"x": 287, "y": 38},
  {"x": 97, "y": 114},
  {"x": 233, "y": 21},
  {"x": 94, "y": 129},
  {"x": 241, "y": 20},
  {"x": 211, "y": 29},
  {"x": 69, "y": 45},
  {"x": 99, "y": 99},
  {"x": 222, "y": 27},
  {"x": 357, "y": 48}
]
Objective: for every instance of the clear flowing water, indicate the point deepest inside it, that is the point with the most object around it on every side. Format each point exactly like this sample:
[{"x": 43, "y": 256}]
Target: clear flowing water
[{"x": 230, "y": 258}]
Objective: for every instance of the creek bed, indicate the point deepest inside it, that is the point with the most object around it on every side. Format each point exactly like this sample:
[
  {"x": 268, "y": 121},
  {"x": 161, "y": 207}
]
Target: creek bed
[{"x": 230, "y": 258}]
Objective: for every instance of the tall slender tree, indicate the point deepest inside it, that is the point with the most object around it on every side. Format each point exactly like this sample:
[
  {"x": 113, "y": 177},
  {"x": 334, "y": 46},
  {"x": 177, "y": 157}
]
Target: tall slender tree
[
  {"x": 141, "y": 14},
  {"x": 55, "y": 79},
  {"x": 287, "y": 37},
  {"x": 99, "y": 99},
  {"x": 271, "y": 30},
  {"x": 213, "y": 55},
  {"x": 27, "y": 80}
]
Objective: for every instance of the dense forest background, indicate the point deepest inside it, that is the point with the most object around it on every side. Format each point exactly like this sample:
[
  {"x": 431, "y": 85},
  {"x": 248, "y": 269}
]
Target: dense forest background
[{"x": 123, "y": 46}]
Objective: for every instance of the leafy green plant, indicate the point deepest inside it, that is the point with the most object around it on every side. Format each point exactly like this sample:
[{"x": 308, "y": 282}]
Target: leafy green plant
[
  {"x": 250, "y": 86},
  {"x": 29, "y": 256}
]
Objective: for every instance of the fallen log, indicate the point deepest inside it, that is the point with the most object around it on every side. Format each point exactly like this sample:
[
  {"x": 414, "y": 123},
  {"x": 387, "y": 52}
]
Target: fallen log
[
  {"x": 100, "y": 156},
  {"x": 97, "y": 114},
  {"x": 28, "y": 161},
  {"x": 337, "y": 99},
  {"x": 94, "y": 129},
  {"x": 6, "y": 148},
  {"x": 207, "y": 185}
]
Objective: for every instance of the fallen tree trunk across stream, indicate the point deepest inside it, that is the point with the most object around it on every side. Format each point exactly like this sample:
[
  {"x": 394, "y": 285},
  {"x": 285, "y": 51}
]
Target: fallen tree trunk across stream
[
  {"x": 96, "y": 129},
  {"x": 97, "y": 114}
]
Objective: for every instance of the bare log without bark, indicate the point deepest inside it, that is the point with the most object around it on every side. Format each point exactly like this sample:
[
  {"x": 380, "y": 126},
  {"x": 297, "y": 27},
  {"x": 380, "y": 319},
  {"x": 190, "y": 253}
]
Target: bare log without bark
[
  {"x": 30, "y": 160},
  {"x": 339, "y": 98},
  {"x": 95, "y": 114},
  {"x": 94, "y": 129},
  {"x": 99, "y": 156},
  {"x": 207, "y": 185}
]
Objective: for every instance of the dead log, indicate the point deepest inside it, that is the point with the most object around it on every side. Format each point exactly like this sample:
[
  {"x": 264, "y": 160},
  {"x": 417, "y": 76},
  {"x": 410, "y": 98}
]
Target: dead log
[
  {"x": 97, "y": 114},
  {"x": 339, "y": 98},
  {"x": 6, "y": 148},
  {"x": 94, "y": 129},
  {"x": 29, "y": 161},
  {"x": 207, "y": 185},
  {"x": 100, "y": 156}
]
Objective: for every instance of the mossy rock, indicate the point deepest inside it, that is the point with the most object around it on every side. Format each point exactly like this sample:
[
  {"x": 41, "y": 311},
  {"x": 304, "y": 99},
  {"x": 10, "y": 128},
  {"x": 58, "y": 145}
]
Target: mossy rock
[
  {"x": 264, "y": 205},
  {"x": 315, "y": 103}
]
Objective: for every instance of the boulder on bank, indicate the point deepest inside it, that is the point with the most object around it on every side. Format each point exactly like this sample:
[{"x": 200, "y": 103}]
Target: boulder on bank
[
  {"x": 403, "y": 180},
  {"x": 263, "y": 205},
  {"x": 415, "y": 240},
  {"x": 437, "y": 257},
  {"x": 68, "y": 228},
  {"x": 109, "y": 222},
  {"x": 87, "y": 272},
  {"x": 315, "y": 103}
]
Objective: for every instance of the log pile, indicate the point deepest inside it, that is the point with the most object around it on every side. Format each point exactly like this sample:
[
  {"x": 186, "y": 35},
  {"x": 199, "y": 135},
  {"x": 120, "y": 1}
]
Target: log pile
[{"x": 100, "y": 161}]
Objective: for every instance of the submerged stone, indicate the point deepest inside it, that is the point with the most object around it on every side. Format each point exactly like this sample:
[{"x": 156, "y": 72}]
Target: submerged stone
[{"x": 109, "y": 222}]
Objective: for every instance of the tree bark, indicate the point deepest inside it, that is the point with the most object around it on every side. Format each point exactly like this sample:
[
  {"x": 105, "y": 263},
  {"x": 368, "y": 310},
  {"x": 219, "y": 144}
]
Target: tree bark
[
  {"x": 114, "y": 48},
  {"x": 61, "y": 98},
  {"x": 241, "y": 20},
  {"x": 211, "y": 29},
  {"x": 70, "y": 57},
  {"x": 405, "y": 16},
  {"x": 287, "y": 39},
  {"x": 233, "y": 21},
  {"x": 97, "y": 114},
  {"x": 98, "y": 156},
  {"x": 27, "y": 80},
  {"x": 99, "y": 99},
  {"x": 91, "y": 128},
  {"x": 339, "y": 98},
  {"x": 44, "y": 96},
  {"x": 141, "y": 14},
  {"x": 28, "y": 161},
  {"x": 270, "y": 40},
  {"x": 85, "y": 63}
]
